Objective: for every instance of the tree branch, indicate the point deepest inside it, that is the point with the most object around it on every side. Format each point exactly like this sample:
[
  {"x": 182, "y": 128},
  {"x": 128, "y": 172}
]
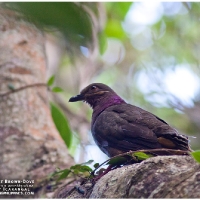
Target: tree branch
[{"x": 23, "y": 88}]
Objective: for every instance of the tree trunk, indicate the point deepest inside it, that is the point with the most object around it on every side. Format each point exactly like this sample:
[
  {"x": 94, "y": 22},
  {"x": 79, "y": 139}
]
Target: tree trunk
[
  {"x": 31, "y": 147},
  {"x": 157, "y": 177}
]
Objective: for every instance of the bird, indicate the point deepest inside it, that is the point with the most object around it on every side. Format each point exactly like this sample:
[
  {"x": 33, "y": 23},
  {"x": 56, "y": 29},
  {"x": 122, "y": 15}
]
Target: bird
[{"x": 118, "y": 127}]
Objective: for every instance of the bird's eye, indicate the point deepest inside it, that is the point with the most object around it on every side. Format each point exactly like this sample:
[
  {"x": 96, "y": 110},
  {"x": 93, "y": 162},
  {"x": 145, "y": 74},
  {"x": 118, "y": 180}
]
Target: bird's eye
[{"x": 93, "y": 87}]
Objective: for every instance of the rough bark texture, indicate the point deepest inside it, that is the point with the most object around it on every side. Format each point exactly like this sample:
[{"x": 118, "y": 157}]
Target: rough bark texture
[
  {"x": 31, "y": 147},
  {"x": 157, "y": 177}
]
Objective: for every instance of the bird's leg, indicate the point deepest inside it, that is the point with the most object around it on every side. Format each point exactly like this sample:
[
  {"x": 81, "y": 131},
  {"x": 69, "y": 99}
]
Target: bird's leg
[{"x": 103, "y": 173}]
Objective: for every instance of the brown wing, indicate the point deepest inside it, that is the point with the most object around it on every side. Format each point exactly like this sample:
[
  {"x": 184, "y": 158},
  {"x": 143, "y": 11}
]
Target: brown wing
[
  {"x": 167, "y": 136},
  {"x": 126, "y": 127}
]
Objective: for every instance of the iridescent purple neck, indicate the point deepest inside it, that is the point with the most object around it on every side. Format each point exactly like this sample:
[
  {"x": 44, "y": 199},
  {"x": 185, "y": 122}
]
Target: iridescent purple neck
[{"x": 105, "y": 103}]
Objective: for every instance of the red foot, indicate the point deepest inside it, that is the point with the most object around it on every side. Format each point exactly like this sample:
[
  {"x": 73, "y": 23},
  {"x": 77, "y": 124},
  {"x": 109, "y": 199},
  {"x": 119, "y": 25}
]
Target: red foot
[{"x": 102, "y": 174}]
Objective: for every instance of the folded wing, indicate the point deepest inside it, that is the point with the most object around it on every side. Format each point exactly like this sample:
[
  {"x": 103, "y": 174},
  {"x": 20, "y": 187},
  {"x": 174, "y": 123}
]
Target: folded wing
[{"x": 126, "y": 127}]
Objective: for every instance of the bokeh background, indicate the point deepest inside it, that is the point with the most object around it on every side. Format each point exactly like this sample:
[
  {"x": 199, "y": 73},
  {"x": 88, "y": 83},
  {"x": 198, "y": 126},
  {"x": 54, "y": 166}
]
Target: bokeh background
[{"x": 148, "y": 52}]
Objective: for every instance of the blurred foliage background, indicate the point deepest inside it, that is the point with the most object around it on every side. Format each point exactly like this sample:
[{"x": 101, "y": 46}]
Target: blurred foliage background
[{"x": 147, "y": 52}]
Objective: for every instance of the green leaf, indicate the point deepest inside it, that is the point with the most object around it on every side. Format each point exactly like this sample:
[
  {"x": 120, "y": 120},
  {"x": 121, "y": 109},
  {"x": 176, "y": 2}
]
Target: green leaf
[
  {"x": 196, "y": 155},
  {"x": 81, "y": 167},
  {"x": 57, "y": 172},
  {"x": 114, "y": 29},
  {"x": 57, "y": 89},
  {"x": 117, "y": 161},
  {"x": 68, "y": 17},
  {"x": 118, "y": 10},
  {"x": 85, "y": 168},
  {"x": 116, "y": 14},
  {"x": 141, "y": 155},
  {"x": 122, "y": 8},
  {"x": 51, "y": 80},
  {"x": 61, "y": 124},
  {"x": 76, "y": 171},
  {"x": 64, "y": 174},
  {"x": 75, "y": 167},
  {"x": 102, "y": 43},
  {"x": 88, "y": 162},
  {"x": 96, "y": 165}
]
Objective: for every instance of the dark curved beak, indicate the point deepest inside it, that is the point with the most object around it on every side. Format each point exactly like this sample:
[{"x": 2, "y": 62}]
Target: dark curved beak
[{"x": 79, "y": 97}]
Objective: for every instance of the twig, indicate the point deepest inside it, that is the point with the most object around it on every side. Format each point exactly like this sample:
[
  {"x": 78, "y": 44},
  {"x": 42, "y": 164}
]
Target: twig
[
  {"x": 24, "y": 87},
  {"x": 171, "y": 151}
]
